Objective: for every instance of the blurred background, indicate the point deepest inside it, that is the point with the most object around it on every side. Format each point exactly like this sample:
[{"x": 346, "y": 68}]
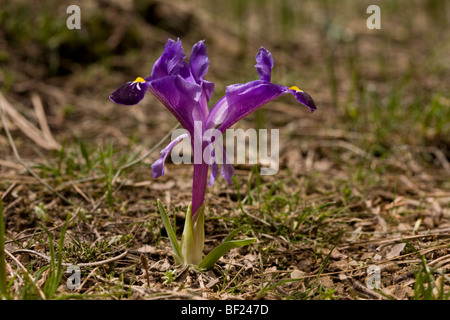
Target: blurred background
[
  {"x": 386, "y": 82},
  {"x": 323, "y": 47},
  {"x": 379, "y": 92},
  {"x": 373, "y": 160}
]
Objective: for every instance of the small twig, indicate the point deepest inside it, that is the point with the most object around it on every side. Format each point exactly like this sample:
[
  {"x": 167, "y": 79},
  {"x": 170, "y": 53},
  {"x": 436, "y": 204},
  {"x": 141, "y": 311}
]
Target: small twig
[
  {"x": 88, "y": 264},
  {"x": 40, "y": 114},
  {"x": 10, "y": 188},
  {"x": 144, "y": 262},
  {"x": 77, "y": 189},
  {"x": 202, "y": 286},
  {"x": 12, "y": 204},
  {"x": 78, "y": 181},
  {"x": 346, "y": 145},
  {"x": 41, "y": 293},
  {"x": 87, "y": 278},
  {"x": 439, "y": 261},
  {"x": 379, "y": 242},
  {"x": 358, "y": 286},
  {"x": 26, "y": 127}
]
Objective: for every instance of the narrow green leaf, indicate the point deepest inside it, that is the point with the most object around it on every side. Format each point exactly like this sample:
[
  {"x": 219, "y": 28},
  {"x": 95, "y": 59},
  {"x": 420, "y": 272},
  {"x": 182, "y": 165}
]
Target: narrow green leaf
[
  {"x": 170, "y": 233},
  {"x": 56, "y": 270},
  {"x": 187, "y": 239},
  {"x": 235, "y": 232},
  {"x": 85, "y": 155},
  {"x": 221, "y": 249}
]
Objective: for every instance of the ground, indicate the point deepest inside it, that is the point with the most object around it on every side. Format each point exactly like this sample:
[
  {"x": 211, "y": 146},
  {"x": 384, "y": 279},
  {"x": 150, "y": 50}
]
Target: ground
[{"x": 364, "y": 182}]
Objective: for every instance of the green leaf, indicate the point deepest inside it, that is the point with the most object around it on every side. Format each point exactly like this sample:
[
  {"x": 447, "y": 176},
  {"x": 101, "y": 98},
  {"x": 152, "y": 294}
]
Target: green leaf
[
  {"x": 235, "y": 232},
  {"x": 56, "y": 270},
  {"x": 221, "y": 249},
  {"x": 170, "y": 233},
  {"x": 193, "y": 238}
]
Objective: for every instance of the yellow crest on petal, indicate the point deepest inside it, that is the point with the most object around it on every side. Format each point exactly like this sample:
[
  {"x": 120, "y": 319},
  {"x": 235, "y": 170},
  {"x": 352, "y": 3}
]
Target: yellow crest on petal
[
  {"x": 138, "y": 79},
  {"x": 295, "y": 88}
]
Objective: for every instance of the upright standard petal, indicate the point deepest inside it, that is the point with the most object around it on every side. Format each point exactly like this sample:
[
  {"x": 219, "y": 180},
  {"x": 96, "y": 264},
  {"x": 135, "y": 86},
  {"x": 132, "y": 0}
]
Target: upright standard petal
[
  {"x": 198, "y": 61},
  {"x": 171, "y": 60},
  {"x": 198, "y": 65},
  {"x": 130, "y": 93},
  {"x": 264, "y": 64}
]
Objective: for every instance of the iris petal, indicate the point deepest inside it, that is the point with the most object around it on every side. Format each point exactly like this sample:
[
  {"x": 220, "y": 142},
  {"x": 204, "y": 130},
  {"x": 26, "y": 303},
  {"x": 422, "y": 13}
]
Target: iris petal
[
  {"x": 171, "y": 60},
  {"x": 198, "y": 61},
  {"x": 179, "y": 96},
  {"x": 214, "y": 173},
  {"x": 208, "y": 89},
  {"x": 243, "y": 99},
  {"x": 305, "y": 99},
  {"x": 264, "y": 64},
  {"x": 129, "y": 93},
  {"x": 227, "y": 172},
  {"x": 227, "y": 168},
  {"x": 158, "y": 165}
]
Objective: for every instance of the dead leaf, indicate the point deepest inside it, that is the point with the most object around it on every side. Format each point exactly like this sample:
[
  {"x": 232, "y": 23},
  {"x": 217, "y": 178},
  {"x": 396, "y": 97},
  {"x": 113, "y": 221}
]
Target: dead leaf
[
  {"x": 327, "y": 282},
  {"x": 297, "y": 274},
  {"x": 341, "y": 265},
  {"x": 395, "y": 250},
  {"x": 146, "y": 249}
]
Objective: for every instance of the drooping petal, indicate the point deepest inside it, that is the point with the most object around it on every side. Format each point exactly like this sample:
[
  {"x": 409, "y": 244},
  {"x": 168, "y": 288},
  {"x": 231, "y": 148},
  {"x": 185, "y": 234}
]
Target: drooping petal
[
  {"x": 158, "y": 165},
  {"x": 198, "y": 65},
  {"x": 303, "y": 98},
  {"x": 214, "y": 173},
  {"x": 227, "y": 168},
  {"x": 130, "y": 92},
  {"x": 227, "y": 172},
  {"x": 171, "y": 60},
  {"x": 198, "y": 61},
  {"x": 179, "y": 96},
  {"x": 264, "y": 64},
  {"x": 243, "y": 99}
]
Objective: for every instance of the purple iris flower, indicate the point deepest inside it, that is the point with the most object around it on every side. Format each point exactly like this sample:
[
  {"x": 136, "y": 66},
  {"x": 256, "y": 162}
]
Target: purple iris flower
[{"x": 182, "y": 88}]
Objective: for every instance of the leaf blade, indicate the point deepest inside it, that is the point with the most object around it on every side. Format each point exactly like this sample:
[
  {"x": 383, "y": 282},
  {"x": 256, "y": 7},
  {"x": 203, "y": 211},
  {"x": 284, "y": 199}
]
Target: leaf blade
[
  {"x": 212, "y": 257},
  {"x": 170, "y": 233}
]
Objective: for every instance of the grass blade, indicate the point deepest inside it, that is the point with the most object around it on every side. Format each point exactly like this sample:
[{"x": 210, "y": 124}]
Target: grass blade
[
  {"x": 56, "y": 271},
  {"x": 170, "y": 233},
  {"x": 212, "y": 257},
  {"x": 235, "y": 232}
]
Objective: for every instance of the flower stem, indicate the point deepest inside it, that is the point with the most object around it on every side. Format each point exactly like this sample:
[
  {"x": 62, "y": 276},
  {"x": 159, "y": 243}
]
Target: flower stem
[{"x": 199, "y": 183}]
